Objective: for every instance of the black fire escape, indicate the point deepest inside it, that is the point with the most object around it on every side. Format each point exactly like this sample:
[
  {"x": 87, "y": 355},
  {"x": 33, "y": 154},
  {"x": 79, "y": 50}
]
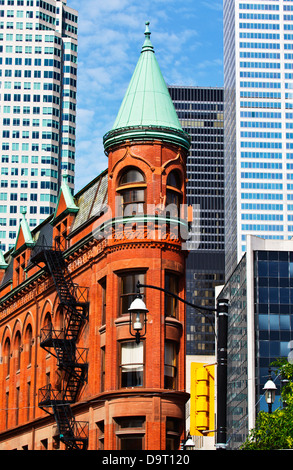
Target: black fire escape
[{"x": 71, "y": 360}]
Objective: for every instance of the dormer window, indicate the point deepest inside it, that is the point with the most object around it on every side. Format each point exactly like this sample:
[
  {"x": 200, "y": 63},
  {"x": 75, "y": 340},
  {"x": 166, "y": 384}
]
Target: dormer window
[
  {"x": 20, "y": 269},
  {"x": 132, "y": 191},
  {"x": 61, "y": 236}
]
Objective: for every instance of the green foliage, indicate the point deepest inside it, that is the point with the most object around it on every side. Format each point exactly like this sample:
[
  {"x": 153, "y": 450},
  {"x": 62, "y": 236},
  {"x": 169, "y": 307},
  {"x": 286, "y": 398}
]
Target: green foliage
[{"x": 275, "y": 430}]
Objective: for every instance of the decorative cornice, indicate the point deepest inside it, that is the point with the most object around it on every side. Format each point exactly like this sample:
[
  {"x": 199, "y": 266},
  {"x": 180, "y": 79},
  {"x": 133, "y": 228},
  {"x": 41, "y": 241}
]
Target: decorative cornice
[
  {"x": 132, "y": 155},
  {"x": 118, "y": 137}
]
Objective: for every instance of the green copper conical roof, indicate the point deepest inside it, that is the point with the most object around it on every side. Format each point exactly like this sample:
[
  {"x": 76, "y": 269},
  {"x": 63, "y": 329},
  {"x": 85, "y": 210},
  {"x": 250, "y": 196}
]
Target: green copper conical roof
[{"x": 147, "y": 110}]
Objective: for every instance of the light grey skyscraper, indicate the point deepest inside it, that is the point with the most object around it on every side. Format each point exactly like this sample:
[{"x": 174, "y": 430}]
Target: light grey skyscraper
[
  {"x": 258, "y": 81},
  {"x": 38, "y": 73}
]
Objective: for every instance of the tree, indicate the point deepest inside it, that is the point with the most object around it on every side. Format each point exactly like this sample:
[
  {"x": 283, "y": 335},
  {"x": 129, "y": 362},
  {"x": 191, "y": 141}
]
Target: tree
[{"x": 275, "y": 430}]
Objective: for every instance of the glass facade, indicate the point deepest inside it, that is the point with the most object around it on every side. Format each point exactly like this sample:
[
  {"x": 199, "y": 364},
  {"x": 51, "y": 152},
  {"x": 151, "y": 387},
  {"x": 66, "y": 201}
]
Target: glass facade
[
  {"x": 271, "y": 333},
  {"x": 38, "y": 74},
  {"x": 237, "y": 399},
  {"x": 258, "y": 45},
  {"x": 273, "y": 281},
  {"x": 200, "y": 111}
]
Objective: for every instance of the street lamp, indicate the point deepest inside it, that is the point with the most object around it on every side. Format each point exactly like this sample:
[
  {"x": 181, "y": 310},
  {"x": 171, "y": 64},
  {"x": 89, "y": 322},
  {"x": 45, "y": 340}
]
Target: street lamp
[
  {"x": 270, "y": 392},
  {"x": 189, "y": 444},
  {"x": 138, "y": 321}
]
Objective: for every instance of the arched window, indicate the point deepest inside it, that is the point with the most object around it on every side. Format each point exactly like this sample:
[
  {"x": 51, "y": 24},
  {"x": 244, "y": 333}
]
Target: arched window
[
  {"x": 28, "y": 340},
  {"x": 17, "y": 351},
  {"x": 132, "y": 176},
  {"x": 132, "y": 190},
  {"x": 47, "y": 329},
  {"x": 7, "y": 353},
  {"x": 173, "y": 192}
]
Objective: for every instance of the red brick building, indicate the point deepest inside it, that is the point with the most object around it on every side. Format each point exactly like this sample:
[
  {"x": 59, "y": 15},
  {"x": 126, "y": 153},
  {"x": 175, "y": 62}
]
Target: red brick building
[{"x": 71, "y": 374}]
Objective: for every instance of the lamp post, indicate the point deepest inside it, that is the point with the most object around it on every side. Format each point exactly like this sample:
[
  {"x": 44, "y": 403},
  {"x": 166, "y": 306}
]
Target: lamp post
[
  {"x": 222, "y": 318},
  {"x": 270, "y": 392},
  {"x": 138, "y": 311},
  {"x": 138, "y": 319},
  {"x": 188, "y": 444}
]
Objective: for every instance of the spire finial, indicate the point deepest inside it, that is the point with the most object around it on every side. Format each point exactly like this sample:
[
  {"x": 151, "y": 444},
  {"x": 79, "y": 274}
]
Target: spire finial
[
  {"x": 147, "y": 43},
  {"x": 147, "y": 29}
]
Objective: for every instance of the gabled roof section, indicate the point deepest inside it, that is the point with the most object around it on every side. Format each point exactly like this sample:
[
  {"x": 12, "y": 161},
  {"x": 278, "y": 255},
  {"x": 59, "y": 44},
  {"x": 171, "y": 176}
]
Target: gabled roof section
[
  {"x": 24, "y": 236},
  {"x": 91, "y": 200},
  {"x": 65, "y": 203},
  {"x": 147, "y": 109}
]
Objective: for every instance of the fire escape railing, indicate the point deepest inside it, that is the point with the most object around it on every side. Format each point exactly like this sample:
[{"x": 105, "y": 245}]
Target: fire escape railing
[{"x": 71, "y": 361}]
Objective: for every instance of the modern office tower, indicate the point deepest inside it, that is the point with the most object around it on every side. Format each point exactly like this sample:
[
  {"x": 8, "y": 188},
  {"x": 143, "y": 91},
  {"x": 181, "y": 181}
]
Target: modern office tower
[
  {"x": 260, "y": 329},
  {"x": 200, "y": 111},
  {"x": 38, "y": 66},
  {"x": 258, "y": 78}
]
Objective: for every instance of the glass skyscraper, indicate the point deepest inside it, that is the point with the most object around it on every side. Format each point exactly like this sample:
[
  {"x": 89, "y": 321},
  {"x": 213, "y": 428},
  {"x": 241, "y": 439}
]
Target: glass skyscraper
[
  {"x": 260, "y": 330},
  {"x": 200, "y": 111},
  {"x": 258, "y": 81},
  {"x": 38, "y": 72}
]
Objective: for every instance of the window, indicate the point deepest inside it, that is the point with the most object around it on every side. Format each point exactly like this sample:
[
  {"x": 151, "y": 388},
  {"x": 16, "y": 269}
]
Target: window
[
  {"x": 103, "y": 352},
  {"x": 130, "y": 433},
  {"x": 28, "y": 391},
  {"x": 7, "y": 356},
  {"x": 131, "y": 364},
  {"x": 28, "y": 338},
  {"x": 44, "y": 444},
  {"x": 61, "y": 237},
  {"x": 100, "y": 434},
  {"x": 171, "y": 303},
  {"x": 174, "y": 429},
  {"x": 128, "y": 290},
  {"x": 173, "y": 191},
  {"x": 170, "y": 369},
  {"x": 20, "y": 269},
  {"x": 17, "y": 405},
  {"x": 18, "y": 350},
  {"x": 103, "y": 284},
  {"x": 132, "y": 191}
]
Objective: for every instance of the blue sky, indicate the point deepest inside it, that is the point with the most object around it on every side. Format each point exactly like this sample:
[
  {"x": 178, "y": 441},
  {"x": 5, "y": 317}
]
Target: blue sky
[{"x": 187, "y": 38}]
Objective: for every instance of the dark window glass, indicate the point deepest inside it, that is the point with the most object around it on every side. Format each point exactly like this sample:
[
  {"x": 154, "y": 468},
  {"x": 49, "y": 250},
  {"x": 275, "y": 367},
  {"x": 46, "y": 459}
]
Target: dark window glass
[
  {"x": 129, "y": 290},
  {"x": 171, "y": 303}
]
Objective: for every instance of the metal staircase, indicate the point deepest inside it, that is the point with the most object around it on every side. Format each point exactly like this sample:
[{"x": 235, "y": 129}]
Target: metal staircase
[{"x": 71, "y": 361}]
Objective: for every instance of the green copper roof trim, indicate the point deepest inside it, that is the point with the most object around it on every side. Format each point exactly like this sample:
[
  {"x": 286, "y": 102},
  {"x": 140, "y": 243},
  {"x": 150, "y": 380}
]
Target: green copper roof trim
[
  {"x": 3, "y": 264},
  {"x": 147, "y": 108},
  {"x": 28, "y": 239},
  {"x": 70, "y": 204},
  {"x": 69, "y": 200},
  {"x": 143, "y": 133}
]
